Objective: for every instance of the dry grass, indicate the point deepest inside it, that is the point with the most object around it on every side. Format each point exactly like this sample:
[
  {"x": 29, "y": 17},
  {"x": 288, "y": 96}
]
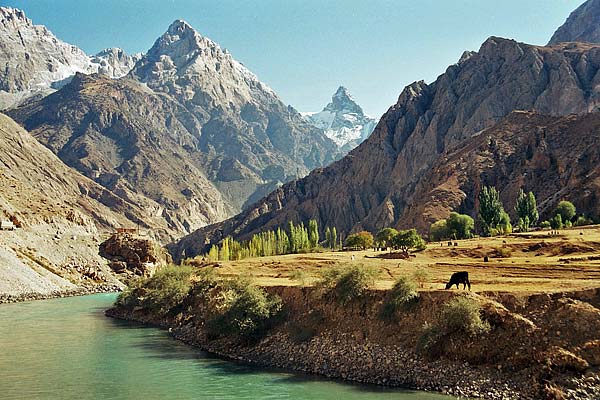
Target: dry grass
[{"x": 537, "y": 262}]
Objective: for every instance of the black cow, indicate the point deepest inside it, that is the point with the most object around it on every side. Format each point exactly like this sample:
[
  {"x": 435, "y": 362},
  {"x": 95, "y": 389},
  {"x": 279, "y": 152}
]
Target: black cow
[{"x": 459, "y": 277}]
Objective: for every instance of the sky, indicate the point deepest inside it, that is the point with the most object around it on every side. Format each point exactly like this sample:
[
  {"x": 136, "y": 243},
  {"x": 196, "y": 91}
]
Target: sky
[{"x": 305, "y": 49}]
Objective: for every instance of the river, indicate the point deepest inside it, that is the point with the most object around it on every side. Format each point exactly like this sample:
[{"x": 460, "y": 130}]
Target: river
[{"x": 67, "y": 349}]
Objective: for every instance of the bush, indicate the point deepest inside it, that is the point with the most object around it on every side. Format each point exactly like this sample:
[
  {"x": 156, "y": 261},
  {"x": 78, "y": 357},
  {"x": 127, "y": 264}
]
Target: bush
[
  {"x": 462, "y": 315},
  {"x": 545, "y": 225},
  {"x": 582, "y": 221},
  {"x": 456, "y": 226},
  {"x": 503, "y": 252},
  {"x": 402, "y": 293},
  {"x": 160, "y": 293},
  {"x": 421, "y": 276},
  {"x": 299, "y": 276},
  {"x": 242, "y": 310},
  {"x": 347, "y": 284}
]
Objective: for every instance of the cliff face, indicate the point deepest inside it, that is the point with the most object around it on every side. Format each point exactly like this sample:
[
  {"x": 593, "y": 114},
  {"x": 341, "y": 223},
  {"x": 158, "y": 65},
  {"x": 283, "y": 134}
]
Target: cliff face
[
  {"x": 583, "y": 25},
  {"x": 373, "y": 186}
]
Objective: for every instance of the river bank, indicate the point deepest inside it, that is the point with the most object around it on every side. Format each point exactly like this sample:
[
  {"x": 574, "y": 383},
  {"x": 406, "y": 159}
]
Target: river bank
[
  {"x": 540, "y": 346},
  {"x": 80, "y": 291}
]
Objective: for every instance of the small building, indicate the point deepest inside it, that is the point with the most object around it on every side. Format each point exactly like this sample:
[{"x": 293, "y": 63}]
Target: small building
[{"x": 7, "y": 226}]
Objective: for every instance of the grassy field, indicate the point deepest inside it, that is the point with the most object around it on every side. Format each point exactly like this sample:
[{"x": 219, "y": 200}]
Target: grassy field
[{"x": 532, "y": 262}]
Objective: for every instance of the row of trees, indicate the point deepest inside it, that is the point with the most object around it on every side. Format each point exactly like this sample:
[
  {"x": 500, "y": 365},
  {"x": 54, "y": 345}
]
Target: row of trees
[
  {"x": 296, "y": 239},
  {"x": 494, "y": 220},
  {"x": 404, "y": 241}
]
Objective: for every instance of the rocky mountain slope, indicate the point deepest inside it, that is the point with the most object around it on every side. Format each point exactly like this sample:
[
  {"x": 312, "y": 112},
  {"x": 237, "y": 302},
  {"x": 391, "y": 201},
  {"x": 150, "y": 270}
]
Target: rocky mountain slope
[
  {"x": 35, "y": 63},
  {"x": 583, "y": 25},
  {"x": 60, "y": 217},
  {"x": 343, "y": 121},
  {"x": 374, "y": 185},
  {"x": 189, "y": 134}
]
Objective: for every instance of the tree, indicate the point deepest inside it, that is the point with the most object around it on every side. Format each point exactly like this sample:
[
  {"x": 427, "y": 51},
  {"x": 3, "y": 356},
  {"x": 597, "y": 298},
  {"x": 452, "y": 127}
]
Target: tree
[
  {"x": 491, "y": 211},
  {"x": 313, "y": 233},
  {"x": 526, "y": 209},
  {"x": 438, "y": 230},
  {"x": 566, "y": 210},
  {"x": 224, "y": 253},
  {"x": 460, "y": 226},
  {"x": 407, "y": 240},
  {"x": 361, "y": 240},
  {"x": 385, "y": 236},
  {"x": 334, "y": 238},
  {"x": 213, "y": 253},
  {"x": 328, "y": 238},
  {"x": 556, "y": 222},
  {"x": 456, "y": 226}
]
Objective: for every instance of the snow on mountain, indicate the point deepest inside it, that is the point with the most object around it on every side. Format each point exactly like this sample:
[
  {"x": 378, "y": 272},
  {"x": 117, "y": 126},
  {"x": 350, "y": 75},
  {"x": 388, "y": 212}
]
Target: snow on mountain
[
  {"x": 35, "y": 62},
  {"x": 114, "y": 62},
  {"x": 343, "y": 121}
]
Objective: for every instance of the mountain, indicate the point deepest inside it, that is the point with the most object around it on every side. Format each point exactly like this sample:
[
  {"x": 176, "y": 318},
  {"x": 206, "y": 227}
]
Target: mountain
[
  {"x": 583, "y": 25},
  {"x": 36, "y": 63},
  {"x": 374, "y": 185},
  {"x": 343, "y": 121},
  {"x": 189, "y": 130},
  {"x": 60, "y": 216}
]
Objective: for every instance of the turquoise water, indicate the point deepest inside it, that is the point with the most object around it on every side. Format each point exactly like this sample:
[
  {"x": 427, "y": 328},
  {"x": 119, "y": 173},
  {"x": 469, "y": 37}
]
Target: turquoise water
[{"x": 68, "y": 349}]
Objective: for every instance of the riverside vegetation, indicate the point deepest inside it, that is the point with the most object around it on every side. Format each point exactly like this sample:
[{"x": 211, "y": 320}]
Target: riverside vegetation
[{"x": 289, "y": 310}]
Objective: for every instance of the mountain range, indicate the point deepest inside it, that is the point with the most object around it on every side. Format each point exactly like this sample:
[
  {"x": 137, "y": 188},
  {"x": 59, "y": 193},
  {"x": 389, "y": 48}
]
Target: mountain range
[
  {"x": 413, "y": 169},
  {"x": 183, "y": 131}
]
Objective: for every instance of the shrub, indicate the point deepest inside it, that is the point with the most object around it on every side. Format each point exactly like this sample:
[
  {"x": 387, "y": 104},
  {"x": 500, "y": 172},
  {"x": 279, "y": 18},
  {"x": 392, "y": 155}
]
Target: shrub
[
  {"x": 402, "y": 293},
  {"x": 545, "y": 225},
  {"x": 347, "y": 284},
  {"x": 167, "y": 288},
  {"x": 503, "y": 252},
  {"x": 242, "y": 310},
  {"x": 299, "y": 276},
  {"x": 421, "y": 276},
  {"x": 582, "y": 221},
  {"x": 429, "y": 342},
  {"x": 160, "y": 293},
  {"x": 462, "y": 315}
]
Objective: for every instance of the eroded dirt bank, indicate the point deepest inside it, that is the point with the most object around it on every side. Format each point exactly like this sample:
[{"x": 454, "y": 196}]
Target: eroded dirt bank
[{"x": 539, "y": 346}]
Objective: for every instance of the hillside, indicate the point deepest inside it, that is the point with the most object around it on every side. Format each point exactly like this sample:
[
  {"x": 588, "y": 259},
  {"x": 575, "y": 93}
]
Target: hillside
[
  {"x": 374, "y": 185},
  {"x": 56, "y": 210}
]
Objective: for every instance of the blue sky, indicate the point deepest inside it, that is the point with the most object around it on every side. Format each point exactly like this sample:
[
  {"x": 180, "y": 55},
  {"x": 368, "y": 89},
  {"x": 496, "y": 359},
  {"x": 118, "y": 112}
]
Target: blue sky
[{"x": 305, "y": 49}]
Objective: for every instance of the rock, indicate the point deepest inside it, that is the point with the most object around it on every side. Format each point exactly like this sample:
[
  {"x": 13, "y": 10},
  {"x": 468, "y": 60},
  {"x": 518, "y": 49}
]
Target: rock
[
  {"x": 128, "y": 252},
  {"x": 565, "y": 360}
]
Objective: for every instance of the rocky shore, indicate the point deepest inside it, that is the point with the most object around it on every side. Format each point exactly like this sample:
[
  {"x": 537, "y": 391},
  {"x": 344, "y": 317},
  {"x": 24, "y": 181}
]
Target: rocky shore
[
  {"x": 351, "y": 344},
  {"x": 80, "y": 291}
]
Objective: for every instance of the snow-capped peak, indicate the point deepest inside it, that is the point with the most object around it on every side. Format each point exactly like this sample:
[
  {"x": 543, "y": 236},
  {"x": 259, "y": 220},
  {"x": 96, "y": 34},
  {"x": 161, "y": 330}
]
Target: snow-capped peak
[
  {"x": 343, "y": 120},
  {"x": 35, "y": 62}
]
